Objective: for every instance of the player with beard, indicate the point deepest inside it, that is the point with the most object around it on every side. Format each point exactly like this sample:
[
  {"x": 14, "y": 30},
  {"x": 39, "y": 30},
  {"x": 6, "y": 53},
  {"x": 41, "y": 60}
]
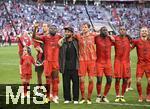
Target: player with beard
[
  {"x": 103, "y": 63},
  {"x": 143, "y": 65},
  {"x": 69, "y": 64},
  {"x": 51, "y": 54},
  {"x": 121, "y": 63}
]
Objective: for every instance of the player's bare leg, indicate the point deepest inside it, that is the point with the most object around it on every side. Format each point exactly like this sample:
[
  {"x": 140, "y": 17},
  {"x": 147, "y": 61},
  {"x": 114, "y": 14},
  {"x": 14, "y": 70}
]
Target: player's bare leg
[
  {"x": 148, "y": 90},
  {"x": 98, "y": 87},
  {"x": 55, "y": 82},
  {"x": 90, "y": 90},
  {"x": 39, "y": 81},
  {"x": 48, "y": 81},
  {"x": 82, "y": 89},
  {"x": 139, "y": 89},
  {"x": 124, "y": 86},
  {"x": 129, "y": 88},
  {"x": 117, "y": 89},
  {"x": 25, "y": 83},
  {"x": 107, "y": 88}
]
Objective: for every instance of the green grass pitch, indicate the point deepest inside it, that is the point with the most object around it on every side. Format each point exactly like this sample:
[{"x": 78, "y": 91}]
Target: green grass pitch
[{"x": 9, "y": 74}]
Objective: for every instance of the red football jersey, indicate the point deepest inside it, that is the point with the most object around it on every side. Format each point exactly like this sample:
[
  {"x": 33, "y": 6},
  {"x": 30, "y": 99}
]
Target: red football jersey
[
  {"x": 87, "y": 51},
  {"x": 122, "y": 49},
  {"x": 26, "y": 64},
  {"x": 143, "y": 50},
  {"x": 51, "y": 47},
  {"x": 103, "y": 49}
]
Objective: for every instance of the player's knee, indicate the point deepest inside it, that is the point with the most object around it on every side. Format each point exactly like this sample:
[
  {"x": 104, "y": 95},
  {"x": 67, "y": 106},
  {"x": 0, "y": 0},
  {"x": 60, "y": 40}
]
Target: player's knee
[
  {"x": 99, "y": 80},
  {"x": 117, "y": 80},
  {"x": 109, "y": 80},
  {"x": 90, "y": 79},
  {"x": 148, "y": 80},
  {"x": 55, "y": 74},
  {"x": 138, "y": 80},
  {"x": 125, "y": 80},
  {"x": 48, "y": 80},
  {"x": 81, "y": 79}
]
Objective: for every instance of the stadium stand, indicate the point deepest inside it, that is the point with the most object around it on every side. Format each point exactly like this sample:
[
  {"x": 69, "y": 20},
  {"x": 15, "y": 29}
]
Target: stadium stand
[{"x": 110, "y": 14}]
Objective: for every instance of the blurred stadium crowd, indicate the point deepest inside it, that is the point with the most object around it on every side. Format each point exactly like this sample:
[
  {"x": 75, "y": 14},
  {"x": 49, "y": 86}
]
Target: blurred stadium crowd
[{"x": 22, "y": 15}]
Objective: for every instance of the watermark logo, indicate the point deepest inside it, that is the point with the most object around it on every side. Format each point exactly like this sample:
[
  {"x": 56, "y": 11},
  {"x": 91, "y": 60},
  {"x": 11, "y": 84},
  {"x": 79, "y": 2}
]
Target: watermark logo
[{"x": 13, "y": 96}]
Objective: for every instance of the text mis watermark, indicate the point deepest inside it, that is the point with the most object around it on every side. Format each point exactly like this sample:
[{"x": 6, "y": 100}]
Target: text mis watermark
[
  {"x": 20, "y": 94},
  {"x": 13, "y": 96}
]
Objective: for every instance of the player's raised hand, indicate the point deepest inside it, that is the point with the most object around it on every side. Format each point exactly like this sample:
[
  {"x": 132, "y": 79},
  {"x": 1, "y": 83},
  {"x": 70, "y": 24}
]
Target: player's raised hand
[
  {"x": 18, "y": 35},
  {"x": 36, "y": 25}
]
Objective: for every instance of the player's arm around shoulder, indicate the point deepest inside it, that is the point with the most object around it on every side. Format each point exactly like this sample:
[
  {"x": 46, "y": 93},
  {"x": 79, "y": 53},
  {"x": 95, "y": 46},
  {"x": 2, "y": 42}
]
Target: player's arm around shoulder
[
  {"x": 133, "y": 43},
  {"x": 61, "y": 41},
  {"x": 112, "y": 37}
]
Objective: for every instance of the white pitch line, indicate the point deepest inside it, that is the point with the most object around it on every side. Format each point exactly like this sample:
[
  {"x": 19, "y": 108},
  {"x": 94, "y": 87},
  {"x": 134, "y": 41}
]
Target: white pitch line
[
  {"x": 125, "y": 104},
  {"x": 117, "y": 104},
  {"x": 14, "y": 64}
]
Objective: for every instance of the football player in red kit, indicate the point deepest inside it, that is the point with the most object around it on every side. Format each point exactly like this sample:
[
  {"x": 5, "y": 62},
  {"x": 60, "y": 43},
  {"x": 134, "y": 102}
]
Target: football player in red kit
[
  {"x": 26, "y": 68},
  {"x": 87, "y": 58},
  {"x": 51, "y": 54},
  {"x": 103, "y": 63},
  {"x": 143, "y": 65},
  {"x": 121, "y": 63},
  {"x": 39, "y": 68}
]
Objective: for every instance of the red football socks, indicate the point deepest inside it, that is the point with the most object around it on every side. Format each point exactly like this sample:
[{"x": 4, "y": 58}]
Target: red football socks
[
  {"x": 98, "y": 87},
  {"x": 48, "y": 87},
  {"x": 148, "y": 89},
  {"x": 124, "y": 86},
  {"x": 139, "y": 88},
  {"x": 107, "y": 88},
  {"x": 90, "y": 89},
  {"x": 117, "y": 87},
  {"x": 55, "y": 87},
  {"x": 82, "y": 89}
]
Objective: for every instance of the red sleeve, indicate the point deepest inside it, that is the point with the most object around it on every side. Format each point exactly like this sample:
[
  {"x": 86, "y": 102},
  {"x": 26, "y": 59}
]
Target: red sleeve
[
  {"x": 77, "y": 36},
  {"x": 60, "y": 37},
  {"x": 113, "y": 42},
  {"x": 134, "y": 41},
  {"x": 95, "y": 39},
  {"x": 42, "y": 38}
]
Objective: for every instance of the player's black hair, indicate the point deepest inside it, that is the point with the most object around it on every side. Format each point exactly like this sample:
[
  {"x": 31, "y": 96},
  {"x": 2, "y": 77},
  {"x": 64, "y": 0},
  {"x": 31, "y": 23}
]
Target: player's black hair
[
  {"x": 86, "y": 23},
  {"x": 102, "y": 33},
  {"x": 29, "y": 51}
]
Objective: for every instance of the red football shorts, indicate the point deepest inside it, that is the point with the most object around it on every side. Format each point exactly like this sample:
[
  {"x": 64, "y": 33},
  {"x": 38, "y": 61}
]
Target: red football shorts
[
  {"x": 26, "y": 76},
  {"x": 104, "y": 68},
  {"x": 87, "y": 67},
  {"x": 50, "y": 66},
  {"x": 141, "y": 69},
  {"x": 122, "y": 70}
]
